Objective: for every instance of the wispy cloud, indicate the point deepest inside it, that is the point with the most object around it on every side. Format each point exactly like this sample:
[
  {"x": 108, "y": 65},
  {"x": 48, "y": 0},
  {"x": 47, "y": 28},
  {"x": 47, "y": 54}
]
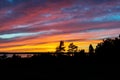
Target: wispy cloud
[
  {"x": 28, "y": 22},
  {"x": 16, "y": 35}
]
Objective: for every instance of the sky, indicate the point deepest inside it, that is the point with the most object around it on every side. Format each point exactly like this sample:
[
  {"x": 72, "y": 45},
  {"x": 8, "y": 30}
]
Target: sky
[{"x": 39, "y": 25}]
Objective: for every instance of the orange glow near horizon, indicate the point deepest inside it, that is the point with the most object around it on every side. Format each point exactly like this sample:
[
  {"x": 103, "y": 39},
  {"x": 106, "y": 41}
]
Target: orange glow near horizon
[
  {"x": 50, "y": 47},
  {"x": 39, "y": 25}
]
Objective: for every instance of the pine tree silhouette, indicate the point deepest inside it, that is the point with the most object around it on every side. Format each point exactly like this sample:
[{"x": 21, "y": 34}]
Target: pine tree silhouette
[
  {"x": 91, "y": 50},
  {"x": 72, "y": 48},
  {"x": 61, "y": 47}
]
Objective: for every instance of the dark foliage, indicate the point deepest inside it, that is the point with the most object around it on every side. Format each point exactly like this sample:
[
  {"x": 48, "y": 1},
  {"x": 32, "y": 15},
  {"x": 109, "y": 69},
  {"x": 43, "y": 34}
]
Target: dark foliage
[
  {"x": 72, "y": 64},
  {"x": 60, "y": 48},
  {"x": 107, "y": 50}
]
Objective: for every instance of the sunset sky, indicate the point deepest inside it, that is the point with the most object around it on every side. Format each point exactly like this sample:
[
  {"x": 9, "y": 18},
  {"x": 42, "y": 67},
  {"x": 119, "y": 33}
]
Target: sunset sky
[{"x": 39, "y": 25}]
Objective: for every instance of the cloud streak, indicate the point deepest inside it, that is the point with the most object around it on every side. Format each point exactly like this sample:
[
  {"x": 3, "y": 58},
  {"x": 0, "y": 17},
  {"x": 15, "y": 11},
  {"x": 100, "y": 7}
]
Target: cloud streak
[{"x": 51, "y": 21}]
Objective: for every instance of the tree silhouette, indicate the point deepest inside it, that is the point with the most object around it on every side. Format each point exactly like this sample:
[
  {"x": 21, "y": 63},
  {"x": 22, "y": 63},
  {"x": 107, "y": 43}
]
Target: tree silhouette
[
  {"x": 91, "y": 49},
  {"x": 82, "y": 52},
  {"x": 61, "y": 47},
  {"x": 72, "y": 48},
  {"x": 107, "y": 50},
  {"x": 104, "y": 48},
  {"x": 109, "y": 47}
]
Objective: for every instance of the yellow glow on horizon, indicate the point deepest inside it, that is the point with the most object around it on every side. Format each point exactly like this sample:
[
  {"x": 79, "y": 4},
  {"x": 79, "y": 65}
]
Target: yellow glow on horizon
[{"x": 49, "y": 47}]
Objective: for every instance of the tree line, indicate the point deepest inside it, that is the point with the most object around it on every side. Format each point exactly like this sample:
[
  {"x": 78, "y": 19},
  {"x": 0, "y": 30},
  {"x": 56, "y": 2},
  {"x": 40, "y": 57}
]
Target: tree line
[
  {"x": 108, "y": 47},
  {"x": 72, "y": 48}
]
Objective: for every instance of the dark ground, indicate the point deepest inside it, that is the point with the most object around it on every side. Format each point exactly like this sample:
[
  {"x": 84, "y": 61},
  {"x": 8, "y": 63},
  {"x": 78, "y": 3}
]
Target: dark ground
[{"x": 58, "y": 68}]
